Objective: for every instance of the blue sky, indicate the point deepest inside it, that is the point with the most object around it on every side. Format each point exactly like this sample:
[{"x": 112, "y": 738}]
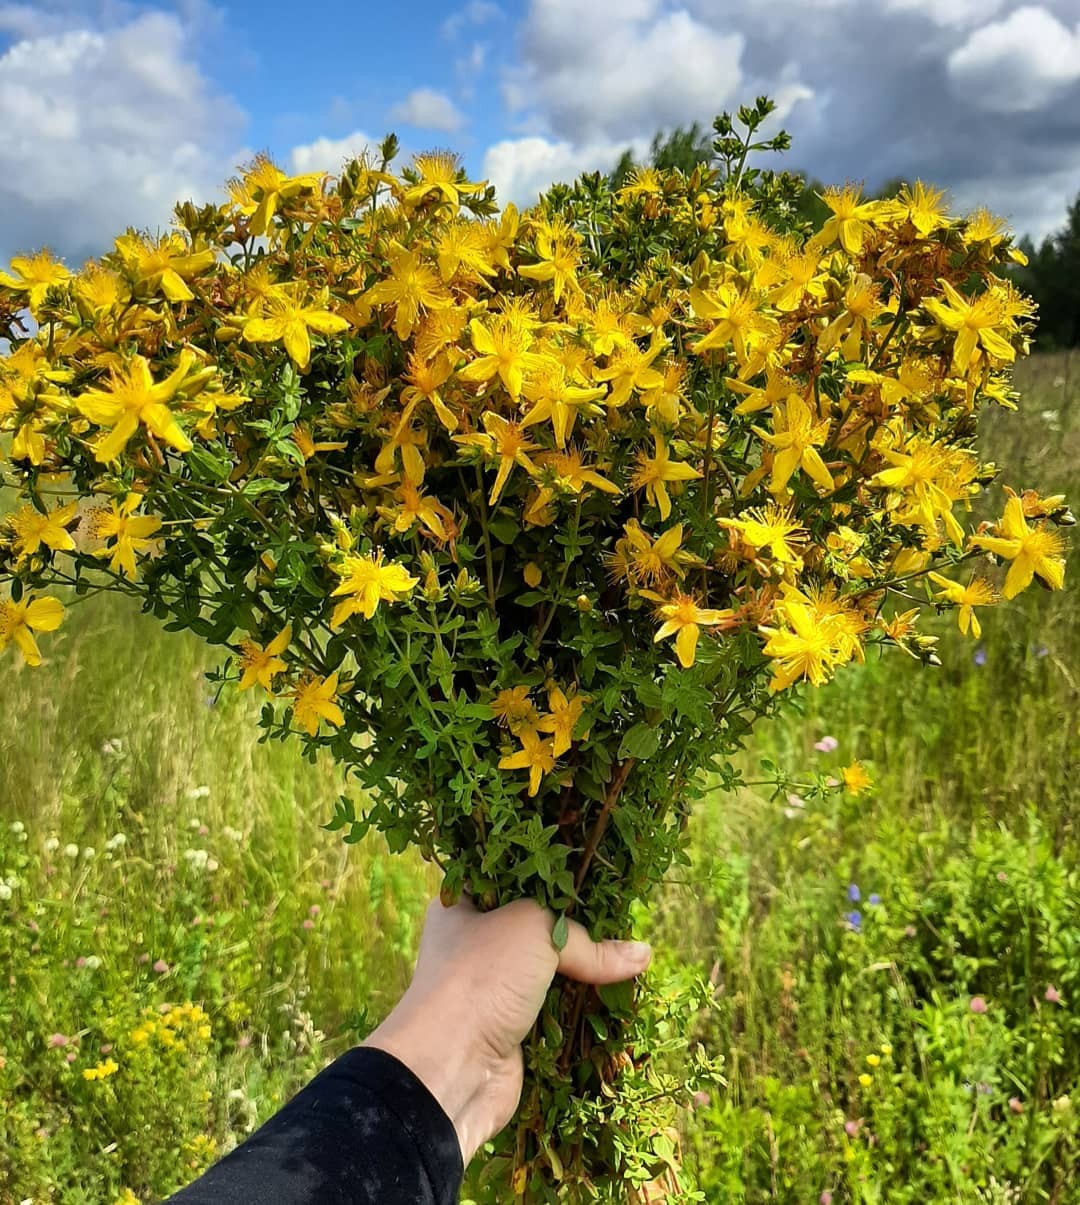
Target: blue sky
[{"x": 110, "y": 110}]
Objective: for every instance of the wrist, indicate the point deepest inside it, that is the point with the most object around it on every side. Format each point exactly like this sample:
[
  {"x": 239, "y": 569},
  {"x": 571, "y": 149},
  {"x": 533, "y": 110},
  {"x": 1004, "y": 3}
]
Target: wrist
[{"x": 444, "y": 1061}]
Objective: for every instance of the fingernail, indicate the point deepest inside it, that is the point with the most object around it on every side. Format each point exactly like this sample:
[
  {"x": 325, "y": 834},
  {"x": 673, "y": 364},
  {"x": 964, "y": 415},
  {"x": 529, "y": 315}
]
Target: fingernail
[{"x": 636, "y": 952}]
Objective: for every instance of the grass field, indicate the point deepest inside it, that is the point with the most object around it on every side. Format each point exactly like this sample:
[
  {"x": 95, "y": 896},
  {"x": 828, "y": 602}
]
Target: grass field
[{"x": 896, "y": 978}]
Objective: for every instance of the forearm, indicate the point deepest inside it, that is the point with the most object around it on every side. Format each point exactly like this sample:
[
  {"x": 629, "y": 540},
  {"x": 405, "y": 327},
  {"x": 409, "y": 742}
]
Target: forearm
[{"x": 365, "y": 1131}]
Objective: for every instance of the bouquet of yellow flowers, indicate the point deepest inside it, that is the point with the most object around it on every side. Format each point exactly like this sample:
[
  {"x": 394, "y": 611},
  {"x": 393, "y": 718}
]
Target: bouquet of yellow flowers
[{"x": 525, "y": 517}]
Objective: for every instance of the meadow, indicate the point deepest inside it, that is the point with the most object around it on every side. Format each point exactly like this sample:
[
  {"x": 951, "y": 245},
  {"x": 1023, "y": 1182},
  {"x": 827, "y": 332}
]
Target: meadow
[{"x": 894, "y": 978}]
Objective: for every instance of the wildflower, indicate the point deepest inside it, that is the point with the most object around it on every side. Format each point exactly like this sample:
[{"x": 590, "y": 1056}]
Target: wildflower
[
  {"x": 129, "y": 532},
  {"x": 263, "y": 189},
  {"x": 977, "y": 1004},
  {"x": 289, "y": 321},
  {"x": 440, "y": 175},
  {"x": 51, "y": 845},
  {"x": 133, "y": 399},
  {"x": 535, "y": 755},
  {"x": 5, "y": 892},
  {"x": 772, "y": 527},
  {"x": 307, "y": 923},
  {"x": 826, "y": 1198},
  {"x": 852, "y": 1127},
  {"x": 20, "y": 620},
  {"x": 55, "y": 1040},
  {"x": 885, "y": 1049},
  {"x": 854, "y": 920},
  {"x": 979, "y": 656},
  {"x": 563, "y": 718},
  {"x": 556, "y": 249},
  {"x": 102, "y": 1070},
  {"x": 976, "y": 321},
  {"x": 1015, "y": 1105},
  {"x": 1033, "y": 551},
  {"x": 683, "y": 619},
  {"x": 873, "y": 1060},
  {"x": 411, "y": 288},
  {"x": 654, "y": 472},
  {"x": 315, "y": 700},
  {"x": 504, "y": 441},
  {"x": 89, "y": 853},
  {"x": 1061, "y": 1104},
  {"x": 739, "y": 320},
  {"x": 977, "y": 593},
  {"x": 1052, "y": 994},
  {"x": 161, "y": 967},
  {"x": 851, "y": 220},
  {"x": 514, "y": 709},
  {"x": 827, "y": 744},
  {"x": 866, "y": 1080},
  {"x": 71, "y": 851},
  {"x": 796, "y": 438},
  {"x": 367, "y": 581},
  {"x": 874, "y": 899},
  {"x": 856, "y": 778},
  {"x": 260, "y": 664},
  {"x": 503, "y": 348},
  {"x": 34, "y": 276},
  {"x": 30, "y": 529}
]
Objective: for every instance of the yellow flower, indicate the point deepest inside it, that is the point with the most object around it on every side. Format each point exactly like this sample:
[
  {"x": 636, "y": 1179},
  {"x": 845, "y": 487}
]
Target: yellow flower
[
  {"x": 976, "y": 321},
  {"x": 563, "y": 718},
  {"x": 738, "y": 320},
  {"x": 31, "y": 529},
  {"x": 515, "y": 710},
  {"x": 856, "y": 780},
  {"x": 20, "y": 620},
  {"x": 265, "y": 186},
  {"x": 772, "y": 527},
  {"x": 556, "y": 247},
  {"x": 130, "y": 532},
  {"x": 410, "y": 507},
  {"x": 34, "y": 275},
  {"x": 504, "y": 352},
  {"x": 263, "y": 664},
  {"x": 851, "y": 219},
  {"x": 133, "y": 399},
  {"x": 866, "y": 1080},
  {"x": 654, "y": 472},
  {"x": 504, "y": 441},
  {"x": 796, "y": 439},
  {"x": 102, "y": 1070},
  {"x": 167, "y": 264},
  {"x": 536, "y": 756},
  {"x": 873, "y": 1060},
  {"x": 1034, "y": 551},
  {"x": 441, "y": 175},
  {"x": 977, "y": 593},
  {"x": 683, "y": 619},
  {"x": 556, "y": 399},
  {"x": 289, "y": 321},
  {"x": 367, "y": 582},
  {"x": 314, "y": 699},
  {"x": 411, "y": 288},
  {"x": 885, "y": 1049},
  {"x": 631, "y": 369},
  {"x": 646, "y": 561}
]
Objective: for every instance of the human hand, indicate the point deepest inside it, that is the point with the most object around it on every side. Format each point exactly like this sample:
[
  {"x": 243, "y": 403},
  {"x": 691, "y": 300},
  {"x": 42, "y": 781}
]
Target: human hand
[{"x": 479, "y": 984}]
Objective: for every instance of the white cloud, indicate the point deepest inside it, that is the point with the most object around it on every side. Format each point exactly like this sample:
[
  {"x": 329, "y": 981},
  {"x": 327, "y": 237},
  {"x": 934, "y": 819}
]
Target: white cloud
[
  {"x": 948, "y": 12},
  {"x": 616, "y": 68},
  {"x": 103, "y": 129},
  {"x": 330, "y": 154},
  {"x": 1018, "y": 64},
  {"x": 476, "y": 12},
  {"x": 521, "y": 168},
  {"x": 428, "y": 109}
]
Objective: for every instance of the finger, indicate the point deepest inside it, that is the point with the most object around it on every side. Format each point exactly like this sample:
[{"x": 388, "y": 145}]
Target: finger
[{"x": 601, "y": 962}]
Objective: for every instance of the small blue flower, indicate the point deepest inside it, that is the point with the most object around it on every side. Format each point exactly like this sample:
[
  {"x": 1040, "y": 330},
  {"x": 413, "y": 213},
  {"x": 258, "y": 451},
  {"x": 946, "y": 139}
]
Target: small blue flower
[
  {"x": 854, "y": 919},
  {"x": 853, "y": 893},
  {"x": 980, "y": 656},
  {"x": 874, "y": 899}
]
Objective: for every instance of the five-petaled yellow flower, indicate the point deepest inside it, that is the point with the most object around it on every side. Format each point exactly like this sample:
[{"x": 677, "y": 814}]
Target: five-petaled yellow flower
[
  {"x": 30, "y": 529},
  {"x": 654, "y": 472},
  {"x": 129, "y": 532},
  {"x": 315, "y": 699},
  {"x": 20, "y": 620},
  {"x": 1034, "y": 551},
  {"x": 134, "y": 400},
  {"x": 34, "y": 275},
  {"x": 683, "y": 619},
  {"x": 566, "y": 711},
  {"x": 977, "y": 593},
  {"x": 856, "y": 778},
  {"x": 260, "y": 664},
  {"x": 367, "y": 581},
  {"x": 536, "y": 755},
  {"x": 288, "y": 320}
]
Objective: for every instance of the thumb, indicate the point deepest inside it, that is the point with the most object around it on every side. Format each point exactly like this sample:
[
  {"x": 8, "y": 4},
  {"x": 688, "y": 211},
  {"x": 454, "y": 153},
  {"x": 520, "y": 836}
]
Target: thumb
[{"x": 601, "y": 962}]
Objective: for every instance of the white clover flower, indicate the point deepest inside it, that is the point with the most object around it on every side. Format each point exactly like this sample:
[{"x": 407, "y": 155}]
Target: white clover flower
[
  {"x": 197, "y": 792},
  {"x": 198, "y": 858},
  {"x": 89, "y": 852},
  {"x": 71, "y": 851},
  {"x": 17, "y": 827},
  {"x": 116, "y": 841},
  {"x": 93, "y": 962},
  {"x": 233, "y": 834},
  {"x": 211, "y": 864},
  {"x": 52, "y": 844},
  {"x": 5, "y": 891},
  {"x": 194, "y": 823}
]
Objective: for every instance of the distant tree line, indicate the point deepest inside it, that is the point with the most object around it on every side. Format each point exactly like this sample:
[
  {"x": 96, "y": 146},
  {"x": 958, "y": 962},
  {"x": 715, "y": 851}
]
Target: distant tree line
[{"x": 1051, "y": 277}]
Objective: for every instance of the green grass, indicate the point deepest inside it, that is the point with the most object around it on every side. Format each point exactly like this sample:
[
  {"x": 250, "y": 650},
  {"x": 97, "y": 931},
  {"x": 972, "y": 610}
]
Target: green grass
[{"x": 295, "y": 943}]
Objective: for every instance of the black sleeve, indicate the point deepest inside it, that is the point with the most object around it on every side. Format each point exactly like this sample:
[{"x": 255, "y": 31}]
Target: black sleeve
[{"x": 365, "y": 1131}]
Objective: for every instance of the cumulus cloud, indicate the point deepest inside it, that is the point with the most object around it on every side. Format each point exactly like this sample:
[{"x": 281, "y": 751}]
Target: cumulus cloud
[
  {"x": 429, "y": 110},
  {"x": 330, "y": 154},
  {"x": 104, "y": 128},
  {"x": 1017, "y": 65},
  {"x": 614, "y": 68},
  {"x": 981, "y": 96},
  {"x": 521, "y": 168},
  {"x": 476, "y": 12}
]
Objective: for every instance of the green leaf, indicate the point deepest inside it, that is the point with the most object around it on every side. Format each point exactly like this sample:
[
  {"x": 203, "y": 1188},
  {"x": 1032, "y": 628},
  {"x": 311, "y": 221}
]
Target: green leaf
[
  {"x": 560, "y": 935},
  {"x": 619, "y": 997},
  {"x": 641, "y": 741}
]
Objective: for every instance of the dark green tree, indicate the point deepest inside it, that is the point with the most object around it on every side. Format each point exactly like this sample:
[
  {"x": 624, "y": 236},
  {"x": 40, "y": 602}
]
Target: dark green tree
[{"x": 1052, "y": 278}]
